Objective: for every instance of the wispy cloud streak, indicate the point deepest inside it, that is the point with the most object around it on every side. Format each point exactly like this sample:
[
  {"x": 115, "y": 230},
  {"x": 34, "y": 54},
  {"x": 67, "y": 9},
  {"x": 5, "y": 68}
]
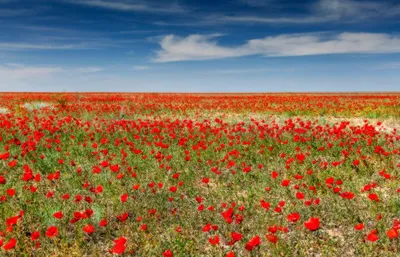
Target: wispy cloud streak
[
  {"x": 204, "y": 47},
  {"x": 131, "y": 6}
]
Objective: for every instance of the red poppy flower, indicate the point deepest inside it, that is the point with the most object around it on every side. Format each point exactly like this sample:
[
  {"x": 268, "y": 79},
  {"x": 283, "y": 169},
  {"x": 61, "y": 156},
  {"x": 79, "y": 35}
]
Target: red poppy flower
[
  {"x": 12, "y": 163},
  {"x": 35, "y": 235},
  {"x": 392, "y": 233},
  {"x": 293, "y": 217},
  {"x": 372, "y": 237},
  {"x": 227, "y": 215},
  {"x": 236, "y": 236},
  {"x": 58, "y": 215},
  {"x": 11, "y": 192},
  {"x": 359, "y": 226},
  {"x": 312, "y": 224},
  {"x": 103, "y": 223},
  {"x": 272, "y": 238},
  {"x": 285, "y": 182},
  {"x": 89, "y": 229},
  {"x": 124, "y": 198},
  {"x": 10, "y": 244},
  {"x": 168, "y": 253},
  {"x": 300, "y": 195},
  {"x": 52, "y": 231},
  {"x": 119, "y": 246},
  {"x": 13, "y": 220},
  {"x": 214, "y": 240},
  {"x": 373, "y": 197},
  {"x": 347, "y": 195},
  {"x": 123, "y": 217},
  {"x": 253, "y": 243}
]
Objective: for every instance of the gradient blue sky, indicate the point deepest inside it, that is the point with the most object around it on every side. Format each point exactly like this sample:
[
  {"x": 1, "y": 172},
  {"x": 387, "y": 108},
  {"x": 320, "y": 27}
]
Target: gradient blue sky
[{"x": 198, "y": 46}]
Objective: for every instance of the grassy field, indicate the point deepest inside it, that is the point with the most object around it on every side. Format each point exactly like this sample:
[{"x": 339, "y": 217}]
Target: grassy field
[{"x": 199, "y": 174}]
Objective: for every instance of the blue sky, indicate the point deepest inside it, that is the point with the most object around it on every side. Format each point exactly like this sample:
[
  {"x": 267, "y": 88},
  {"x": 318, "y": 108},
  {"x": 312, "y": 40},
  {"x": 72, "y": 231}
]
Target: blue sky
[{"x": 199, "y": 46}]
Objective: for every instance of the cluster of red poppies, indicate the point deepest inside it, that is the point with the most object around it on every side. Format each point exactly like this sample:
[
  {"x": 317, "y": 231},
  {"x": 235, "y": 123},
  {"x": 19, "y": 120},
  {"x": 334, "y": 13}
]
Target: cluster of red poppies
[
  {"x": 165, "y": 185},
  {"x": 345, "y": 105}
]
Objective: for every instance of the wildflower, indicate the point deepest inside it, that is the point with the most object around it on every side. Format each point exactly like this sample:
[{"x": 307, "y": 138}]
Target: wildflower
[
  {"x": 293, "y": 217},
  {"x": 312, "y": 224},
  {"x": 88, "y": 229},
  {"x": 168, "y": 253},
  {"x": 253, "y": 243},
  {"x": 214, "y": 240},
  {"x": 359, "y": 226},
  {"x": 52, "y": 231},
  {"x": 10, "y": 244}
]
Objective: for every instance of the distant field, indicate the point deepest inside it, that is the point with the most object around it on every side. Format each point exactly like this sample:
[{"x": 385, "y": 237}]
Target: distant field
[
  {"x": 376, "y": 105},
  {"x": 151, "y": 174}
]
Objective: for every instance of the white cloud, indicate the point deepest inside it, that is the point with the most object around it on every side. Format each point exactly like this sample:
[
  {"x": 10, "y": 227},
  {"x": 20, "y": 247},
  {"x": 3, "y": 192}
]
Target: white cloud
[
  {"x": 194, "y": 47},
  {"x": 139, "y": 67},
  {"x": 320, "y": 12},
  {"x": 251, "y": 70},
  {"x": 257, "y": 3},
  {"x": 203, "y": 47},
  {"x": 13, "y": 71},
  {"x": 13, "y": 12},
  {"x": 90, "y": 69},
  {"x": 276, "y": 20},
  {"x": 395, "y": 11},
  {"x": 388, "y": 66},
  {"x": 126, "y": 6},
  {"x": 32, "y": 46},
  {"x": 14, "y": 65},
  {"x": 139, "y": 31},
  {"x": 349, "y": 8}
]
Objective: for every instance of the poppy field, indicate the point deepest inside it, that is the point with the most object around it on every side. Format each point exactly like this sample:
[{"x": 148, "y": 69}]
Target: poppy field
[{"x": 103, "y": 174}]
